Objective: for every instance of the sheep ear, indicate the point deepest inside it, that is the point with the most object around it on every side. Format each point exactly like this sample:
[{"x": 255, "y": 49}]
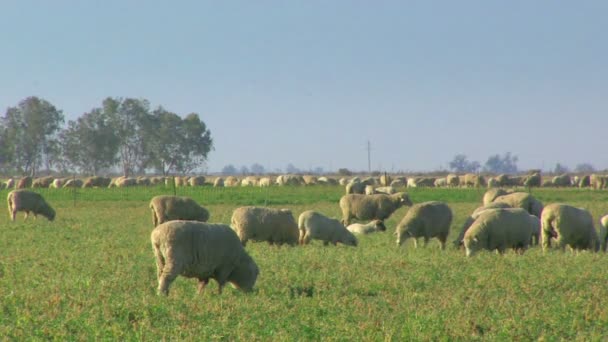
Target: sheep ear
[{"x": 475, "y": 239}]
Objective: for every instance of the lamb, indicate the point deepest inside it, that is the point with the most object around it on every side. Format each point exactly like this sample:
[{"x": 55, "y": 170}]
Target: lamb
[
  {"x": 603, "y": 232},
  {"x": 203, "y": 251},
  {"x": 265, "y": 224},
  {"x": 368, "y": 228},
  {"x": 166, "y": 208},
  {"x": 569, "y": 226},
  {"x": 314, "y": 225},
  {"x": 28, "y": 201},
  {"x": 427, "y": 220},
  {"x": 469, "y": 221},
  {"x": 369, "y": 207},
  {"x": 522, "y": 200},
  {"x": 499, "y": 229}
]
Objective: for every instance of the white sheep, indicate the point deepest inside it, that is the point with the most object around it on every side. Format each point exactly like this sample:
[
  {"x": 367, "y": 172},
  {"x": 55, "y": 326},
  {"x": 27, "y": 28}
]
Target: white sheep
[
  {"x": 265, "y": 224},
  {"x": 29, "y": 202},
  {"x": 469, "y": 220},
  {"x": 426, "y": 220},
  {"x": 522, "y": 200},
  {"x": 368, "y": 228},
  {"x": 603, "y": 232},
  {"x": 499, "y": 229},
  {"x": 315, "y": 226},
  {"x": 569, "y": 226},
  {"x": 203, "y": 251},
  {"x": 166, "y": 208},
  {"x": 369, "y": 207}
]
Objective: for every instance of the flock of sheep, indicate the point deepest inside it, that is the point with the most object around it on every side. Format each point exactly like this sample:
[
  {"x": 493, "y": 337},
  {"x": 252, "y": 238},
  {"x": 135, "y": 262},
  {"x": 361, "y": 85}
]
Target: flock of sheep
[
  {"x": 185, "y": 244},
  {"x": 353, "y": 185}
]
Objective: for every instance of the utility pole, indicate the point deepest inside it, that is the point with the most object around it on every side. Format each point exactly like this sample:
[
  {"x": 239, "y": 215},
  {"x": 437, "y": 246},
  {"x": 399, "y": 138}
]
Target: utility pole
[{"x": 369, "y": 158}]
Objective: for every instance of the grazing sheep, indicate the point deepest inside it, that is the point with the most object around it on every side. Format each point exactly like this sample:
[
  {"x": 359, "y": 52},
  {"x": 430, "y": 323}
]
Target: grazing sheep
[
  {"x": 218, "y": 182},
  {"x": 314, "y": 225},
  {"x": 231, "y": 181},
  {"x": 96, "y": 182},
  {"x": 389, "y": 190},
  {"x": 522, "y": 200},
  {"x": 264, "y": 182},
  {"x": 73, "y": 183},
  {"x": 399, "y": 183},
  {"x": 603, "y": 232},
  {"x": 143, "y": 181},
  {"x": 354, "y": 187},
  {"x": 295, "y": 180},
  {"x": 453, "y": 180},
  {"x": 265, "y": 224},
  {"x": 569, "y": 226},
  {"x": 166, "y": 208},
  {"x": 249, "y": 181},
  {"x": 469, "y": 221},
  {"x": 493, "y": 183},
  {"x": 42, "y": 182},
  {"x": 369, "y": 207},
  {"x": 196, "y": 181},
  {"x": 562, "y": 180},
  {"x": 10, "y": 183},
  {"x": 385, "y": 180},
  {"x": 203, "y": 251},
  {"x": 471, "y": 179},
  {"x": 368, "y": 228},
  {"x": 490, "y": 195},
  {"x": 441, "y": 182},
  {"x": 533, "y": 180},
  {"x": 584, "y": 181},
  {"x": 25, "y": 182},
  {"x": 57, "y": 183},
  {"x": 327, "y": 181},
  {"x": 369, "y": 190},
  {"x": 499, "y": 229},
  {"x": 310, "y": 180},
  {"x": 28, "y": 201},
  {"x": 427, "y": 220}
]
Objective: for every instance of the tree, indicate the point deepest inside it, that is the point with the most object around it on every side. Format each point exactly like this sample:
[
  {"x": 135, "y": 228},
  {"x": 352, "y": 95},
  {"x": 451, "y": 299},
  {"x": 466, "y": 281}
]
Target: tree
[
  {"x": 584, "y": 168},
  {"x": 30, "y": 134},
  {"x": 505, "y": 164},
  {"x": 257, "y": 169},
  {"x": 89, "y": 144},
  {"x": 229, "y": 170},
  {"x": 560, "y": 169},
  {"x": 461, "y": 164},
  {"x": 244, "y": 170},
  {"x": 292, "y": 169},
  {"x": 197, "y": 143}
]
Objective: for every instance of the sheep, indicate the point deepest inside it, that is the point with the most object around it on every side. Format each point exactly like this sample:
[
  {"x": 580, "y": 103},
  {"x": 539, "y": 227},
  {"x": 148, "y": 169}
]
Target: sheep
[
  {"x": 399, "y": 183},
  {"x": 73, "y": 183},
  {"x": 231, "y": 181},
  {"x": 499, "y": 229},
  {"x": 314, "y": 225},
  {"x": 469, "y": 220},
  {"x": 42, "y": 182},
  {"x": 453, "y": 180},
  {"x": 569, "y": 226},
  {"x": 57, "y": 183},
  {"x": 265, "y": 224},
  {"x": 166, "y": 208},
  {"x": 603, "y": 232},
  {"x": 522, "y": 200},
  {"x": 440, "y": 182},
  {"x": 10, "y": 183},
  {"x": 369, "y": 190},
  {"x": 356, "y": 188},
  {"x": 203, "y": 251},
  {"x": 562, "y": 180},
  {"x": 28, "y": 201},
  {"x": 327, "y": 181},
  {"x": 196, "y": 181},
  {"x": 369, "y": 207},
  {"x": 533, "y": 180},
  {"x": 218, "y": 182},
  {"x": 471, "y": 179},
  {"x": 427, "y": 220},
  {"x": 264, "y": 182},
  {"x": 370, "y": 227},
  {"x": 490, "y": 195},
  {"x": 96, "y": 182},
  {"x": 584, "y": 181},
  {"x": 310, "y": 180},
  {"x": 25, "y": 182},
  {"x": 143, "y": 181},
  {"x": 389, "y": 190}
]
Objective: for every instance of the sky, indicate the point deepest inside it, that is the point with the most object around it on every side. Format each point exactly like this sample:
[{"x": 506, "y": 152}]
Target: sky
[{"x": 310, "y": 82}]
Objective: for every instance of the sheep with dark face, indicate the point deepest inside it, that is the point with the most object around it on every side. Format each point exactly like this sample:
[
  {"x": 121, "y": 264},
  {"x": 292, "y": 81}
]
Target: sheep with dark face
[
  {"x": 29, "y": 202},
  {"x": 203, "y": 251}
]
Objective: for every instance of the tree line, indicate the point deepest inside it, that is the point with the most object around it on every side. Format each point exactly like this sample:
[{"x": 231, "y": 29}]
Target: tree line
[
  {"x": 507, "y": 163},
  {"x": 122, "y": 132}
]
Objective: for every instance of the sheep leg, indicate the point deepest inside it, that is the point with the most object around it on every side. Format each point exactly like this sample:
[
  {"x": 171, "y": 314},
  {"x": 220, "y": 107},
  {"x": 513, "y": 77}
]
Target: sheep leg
[
  {"x": 325, "y": 243},
  {"x": 202, "y": 282},
  {"x": 426, "y": 241},
  {"x": 154, "y": 218},
  {"x": 166, "y": 278},
  {"x": 160, "y": 262},
  {"x": 415, "y": 242},
  {"x": 27, "y": 213}
]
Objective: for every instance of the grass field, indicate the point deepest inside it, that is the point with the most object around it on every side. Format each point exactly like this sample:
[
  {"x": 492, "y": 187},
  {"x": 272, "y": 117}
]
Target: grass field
[{"x": 90, "y": 275}]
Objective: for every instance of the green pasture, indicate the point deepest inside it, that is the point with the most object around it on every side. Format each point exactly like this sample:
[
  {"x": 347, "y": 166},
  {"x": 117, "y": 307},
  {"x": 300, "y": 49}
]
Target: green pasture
[{"x": 90, "y": 275}]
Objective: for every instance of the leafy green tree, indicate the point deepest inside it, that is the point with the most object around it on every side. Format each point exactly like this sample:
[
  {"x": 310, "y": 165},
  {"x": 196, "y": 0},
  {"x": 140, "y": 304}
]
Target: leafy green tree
[
  {"x": 505, "y": 164},
  {"x": 30, "y": 134},
  {"x": 175, "y": 144},
  {"x": 257, "y": 169},
  {"x": 128, "y": 117},
  {"x": 89, "y": 144},
  {"x": 461, "y": 164},
  {"x": 584, "y": 168},
  {"x": 229, "y": 170}
]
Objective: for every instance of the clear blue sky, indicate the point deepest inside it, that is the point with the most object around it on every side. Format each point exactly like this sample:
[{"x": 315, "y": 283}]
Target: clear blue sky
[{"x": 310, "y": 82}]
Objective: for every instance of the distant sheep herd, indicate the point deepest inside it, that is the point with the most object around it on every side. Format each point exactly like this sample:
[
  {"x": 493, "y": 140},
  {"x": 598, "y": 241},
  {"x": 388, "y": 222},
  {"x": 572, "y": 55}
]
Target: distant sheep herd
[{"x": 184, "y": 243}]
